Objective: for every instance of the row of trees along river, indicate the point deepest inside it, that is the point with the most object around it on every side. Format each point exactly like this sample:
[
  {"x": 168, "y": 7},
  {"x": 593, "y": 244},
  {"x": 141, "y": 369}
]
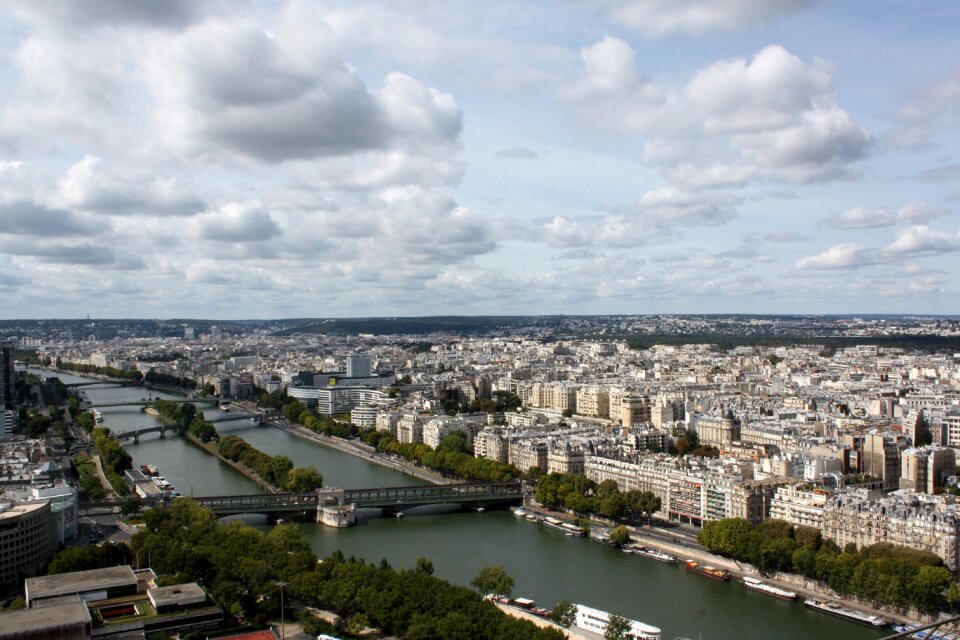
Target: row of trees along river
[{"x": 546, "y": 565}]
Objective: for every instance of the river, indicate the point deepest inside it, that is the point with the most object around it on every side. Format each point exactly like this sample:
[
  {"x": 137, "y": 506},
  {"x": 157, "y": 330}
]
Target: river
[{"x": 547, "y": 565}]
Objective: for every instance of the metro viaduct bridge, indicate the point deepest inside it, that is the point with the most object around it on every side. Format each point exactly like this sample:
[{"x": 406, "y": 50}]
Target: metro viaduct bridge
[{"x": 390, "y": 499}]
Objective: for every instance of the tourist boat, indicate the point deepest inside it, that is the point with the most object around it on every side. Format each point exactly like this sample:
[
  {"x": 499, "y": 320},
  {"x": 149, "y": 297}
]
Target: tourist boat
[
  {"x": 706, "y": 570},
  {"x": 769, "y": 589},
  {"x": 656, "y": 554},
  {"x": 836, "y": 609},
  {"x": 532, "y": 518},
  {"x": 595, "y": 621},
  {"x": 564, "y": 527}
]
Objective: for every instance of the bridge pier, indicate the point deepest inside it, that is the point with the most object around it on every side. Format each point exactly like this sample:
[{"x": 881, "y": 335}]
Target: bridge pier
[
  {"x": 136, "y": 437},
  {"x": 163, "y": 431}
]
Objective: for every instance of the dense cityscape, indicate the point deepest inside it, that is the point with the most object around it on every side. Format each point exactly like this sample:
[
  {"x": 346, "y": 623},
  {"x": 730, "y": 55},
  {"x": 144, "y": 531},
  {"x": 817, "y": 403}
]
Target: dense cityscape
[
  {"x": 501, "y": 320},
  {"x": 855, "y": 443}
]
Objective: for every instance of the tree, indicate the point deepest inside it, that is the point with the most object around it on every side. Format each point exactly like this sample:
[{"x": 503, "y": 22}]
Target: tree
[
  {"x": 564, "y": 614},
  {"x": 620, "y": 536},
  {"x": 493, "y": 580},
  {"x": 304, "y": 479},
  {"x": 424, "y": 566},
  {"x": 617, "y": 628},
  {"x": 130, "y": 505}
]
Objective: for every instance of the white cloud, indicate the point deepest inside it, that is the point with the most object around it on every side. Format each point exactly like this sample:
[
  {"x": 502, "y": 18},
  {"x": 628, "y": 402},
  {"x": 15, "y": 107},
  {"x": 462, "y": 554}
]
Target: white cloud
[
  {"x": 840, "y": 256},
  {"x": 239, "y": 222},
  {"x": 90, "y": 186},
  {"x": 771, "y": 117},
  {"x": 232, "y": 86},
  {"x": 920, "y": 212},
  {"x": 657, "y": 19},
  {"x": 860, "y": 218},
  {"x": 922, "y": 240}
]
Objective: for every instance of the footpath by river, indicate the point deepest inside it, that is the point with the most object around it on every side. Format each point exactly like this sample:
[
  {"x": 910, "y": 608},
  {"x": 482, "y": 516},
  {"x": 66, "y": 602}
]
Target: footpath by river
[{"x": 546, "y": 565}]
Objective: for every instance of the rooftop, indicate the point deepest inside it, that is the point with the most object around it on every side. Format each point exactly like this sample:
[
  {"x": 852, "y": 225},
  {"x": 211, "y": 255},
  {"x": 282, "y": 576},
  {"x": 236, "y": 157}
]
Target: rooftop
[{"x": 79, "y": 582}]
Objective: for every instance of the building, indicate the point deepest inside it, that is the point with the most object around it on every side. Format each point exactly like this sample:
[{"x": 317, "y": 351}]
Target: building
[
  {"x": 91, "y": 585},
  {"x": 124, "y": 603},
  {"x": 8, "y": 393},
  {"x": 634, "y": 410},
  {"x": 915, "y": 520},
  {"x": 358, "y": 366},
  {"x": 28, "y": 538},
  {"x": 800, "y": 504},
  {"x": 565, "y": 458},
  {"x": 924, "y": 469},
  {"x": 719, "y": 432},
  {"x": 593, "y": 402}
]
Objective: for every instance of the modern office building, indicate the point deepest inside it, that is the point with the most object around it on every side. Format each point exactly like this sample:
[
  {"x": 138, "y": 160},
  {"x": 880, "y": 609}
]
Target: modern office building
[
  {"x": 358, "y": 366},
  {"x": 27, "y": 539},
  {"x": 8, "y": 394}
]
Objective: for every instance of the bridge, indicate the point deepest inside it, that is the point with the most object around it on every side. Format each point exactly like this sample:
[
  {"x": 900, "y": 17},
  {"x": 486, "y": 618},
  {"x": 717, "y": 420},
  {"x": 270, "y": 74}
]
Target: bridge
[
  {"x": 390, "y": 499},
  {"x": 228, "y": 417},
  {"x": 136, "y": 433},
  {"x": 112, "y": 383},
  {"x": 148, "y": 403}
]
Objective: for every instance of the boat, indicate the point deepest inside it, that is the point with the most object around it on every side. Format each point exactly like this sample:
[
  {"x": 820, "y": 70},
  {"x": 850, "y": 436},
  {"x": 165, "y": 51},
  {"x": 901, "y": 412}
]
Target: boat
[
  {"x": 656, "y": 554},
  {"x": 706, "y": 570},
  {"x": 769, "y": 589},
  {"x": 532, "y": 518},
  {"x": 564, "y": 527},
  {"x": 518, "y": 511},
  {"x": 836, "y": 609},
  {"x": 97, "y": 416},
  {"x": 595, "y": 621}
]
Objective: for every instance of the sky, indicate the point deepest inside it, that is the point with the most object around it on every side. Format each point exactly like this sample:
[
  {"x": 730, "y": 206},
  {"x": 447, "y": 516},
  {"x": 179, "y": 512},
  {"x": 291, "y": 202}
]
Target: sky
[{"x": 225, "y": 159}]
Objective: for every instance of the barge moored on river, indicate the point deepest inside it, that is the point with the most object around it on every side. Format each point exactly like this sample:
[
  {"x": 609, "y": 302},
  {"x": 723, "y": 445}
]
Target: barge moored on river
[
  {"x": 706, "y": 570},
  {"x": 836, "y": 609},
  {"x": 769, "y": 589}
]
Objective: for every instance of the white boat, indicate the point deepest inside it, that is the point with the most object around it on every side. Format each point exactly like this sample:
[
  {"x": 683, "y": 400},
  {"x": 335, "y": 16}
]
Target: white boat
[
  {"x": 595, "y": 621},
  {"x": 836, "y": 609},
  {"x": 656, "y": 554},
  {"x": 518, "y": 511},
  {"x": 769, "y": 589}
]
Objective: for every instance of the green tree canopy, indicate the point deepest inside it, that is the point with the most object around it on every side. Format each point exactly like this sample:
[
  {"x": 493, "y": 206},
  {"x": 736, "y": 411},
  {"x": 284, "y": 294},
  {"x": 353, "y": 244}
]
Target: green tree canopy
[
  {"x": 618, "y": 628},
  {"x": 564, "y": 613},
  {"x": 493, "y": 580}
]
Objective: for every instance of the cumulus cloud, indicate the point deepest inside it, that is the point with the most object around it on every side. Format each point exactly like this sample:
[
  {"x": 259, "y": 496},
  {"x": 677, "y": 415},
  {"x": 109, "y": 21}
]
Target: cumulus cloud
[
  {"x": 922, "y": 240},
  {"x": 655, "y": 19},
  {"x": 90, "y": 186},
  {"x": 231, "y": 86},
  {"x": 840, "y": 256},
  {"x": 772, "y": 116},
  {"x": 239, "y": 222},
  {"x": 27, "y": 218}
]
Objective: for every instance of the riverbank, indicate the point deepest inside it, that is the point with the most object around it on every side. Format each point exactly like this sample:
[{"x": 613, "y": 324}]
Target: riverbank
[
  {"x": 364, "y": 452},
  {"x": 247, "y": 472},
  {"x": 803, "y": 588}
]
